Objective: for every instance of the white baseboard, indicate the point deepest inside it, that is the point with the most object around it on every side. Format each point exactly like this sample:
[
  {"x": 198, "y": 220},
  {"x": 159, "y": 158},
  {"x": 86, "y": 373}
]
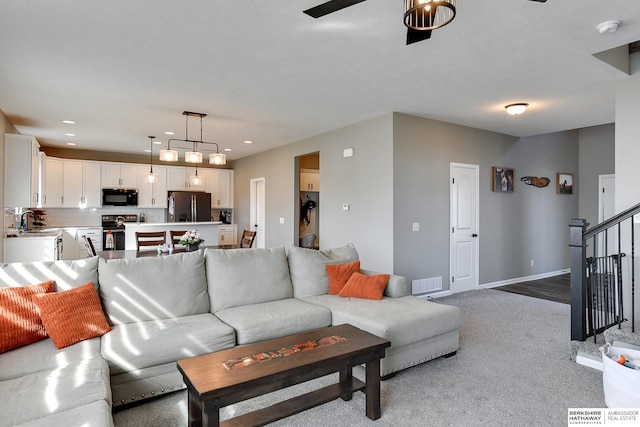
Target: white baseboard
[
  {"x": 589, "y": 360},
  {"x": 435, "y": 295},
  {"x": 524, "y": 279}
]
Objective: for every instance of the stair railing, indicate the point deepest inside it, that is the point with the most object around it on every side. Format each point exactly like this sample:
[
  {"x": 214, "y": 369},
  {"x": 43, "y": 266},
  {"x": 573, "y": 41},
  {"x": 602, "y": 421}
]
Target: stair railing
[{"x": 597, "y": 301}]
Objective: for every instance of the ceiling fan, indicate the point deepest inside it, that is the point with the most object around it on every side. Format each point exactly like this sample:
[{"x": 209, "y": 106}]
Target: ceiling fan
[{"x": 420, "y": 16}]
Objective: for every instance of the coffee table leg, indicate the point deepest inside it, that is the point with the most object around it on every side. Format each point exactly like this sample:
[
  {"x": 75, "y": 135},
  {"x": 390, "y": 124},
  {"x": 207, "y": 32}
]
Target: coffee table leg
[
  {"x": 195, "y": 413},
  {"x": 373, "y": 389},
  {"x": 346, "y": 375}
]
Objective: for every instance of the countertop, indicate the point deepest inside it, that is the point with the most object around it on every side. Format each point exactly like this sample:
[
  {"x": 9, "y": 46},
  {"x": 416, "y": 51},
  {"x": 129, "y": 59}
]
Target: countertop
[
  {"x": 156, "y": 224},
  {"x": 45, "y": 233}
]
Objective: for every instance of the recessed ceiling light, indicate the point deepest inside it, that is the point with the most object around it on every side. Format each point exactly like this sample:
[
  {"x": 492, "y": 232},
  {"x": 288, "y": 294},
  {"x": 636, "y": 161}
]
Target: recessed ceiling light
[
  {"x": 248, "y": 142},
  {"x": 70, "y": 134},
  {"x": 515, "y": 109},
  {"x": 610, "y": 26},
  {"x": 227, "y": 149},
  {"x": 71, "y": 143},
  {"x": 147, "y": 150},
  {"x": 157, "y": 142},
  {"x": 69, "y": 122},
  {"x": 169, "y": 133}
]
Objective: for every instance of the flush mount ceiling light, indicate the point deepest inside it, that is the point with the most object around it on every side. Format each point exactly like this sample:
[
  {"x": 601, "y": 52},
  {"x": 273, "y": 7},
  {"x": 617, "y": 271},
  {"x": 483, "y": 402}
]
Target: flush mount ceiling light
[
  {"x": 608, "y": 26},
  {"x": 151, "y": 177},
  {"x": 194, "y": 156},
  {"x": 516, "y": 109}
]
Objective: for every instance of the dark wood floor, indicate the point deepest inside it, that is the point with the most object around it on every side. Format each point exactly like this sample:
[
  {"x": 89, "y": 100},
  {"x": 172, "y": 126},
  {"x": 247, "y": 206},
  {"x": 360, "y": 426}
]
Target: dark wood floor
[{"x": 555, "y": 288}]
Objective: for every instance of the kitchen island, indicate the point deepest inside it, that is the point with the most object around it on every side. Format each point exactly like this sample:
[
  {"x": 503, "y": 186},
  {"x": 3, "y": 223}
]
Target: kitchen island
[{"x": 208, "y": 231}]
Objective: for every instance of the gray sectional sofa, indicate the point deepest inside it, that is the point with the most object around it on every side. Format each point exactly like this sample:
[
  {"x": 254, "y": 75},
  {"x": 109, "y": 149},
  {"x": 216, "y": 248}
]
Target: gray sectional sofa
[{"x": 162, "y": 309}]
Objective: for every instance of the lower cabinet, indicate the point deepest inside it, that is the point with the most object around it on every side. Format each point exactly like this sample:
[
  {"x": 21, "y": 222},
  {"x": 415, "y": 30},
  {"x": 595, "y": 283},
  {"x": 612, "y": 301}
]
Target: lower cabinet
[{"x": 228, "y": 234}]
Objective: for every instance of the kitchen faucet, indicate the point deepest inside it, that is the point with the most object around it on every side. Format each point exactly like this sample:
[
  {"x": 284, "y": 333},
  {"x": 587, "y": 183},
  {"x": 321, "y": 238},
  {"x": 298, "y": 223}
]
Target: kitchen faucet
[{"x": 23, "y": 220}]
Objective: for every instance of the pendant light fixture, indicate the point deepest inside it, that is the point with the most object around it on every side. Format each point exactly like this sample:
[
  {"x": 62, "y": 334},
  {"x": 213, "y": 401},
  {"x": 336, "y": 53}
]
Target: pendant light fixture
[
  {"x": 195, "y": 156},
  {"x": 195, "y": 179},
  {"x": 151, "y": 177},
  {"x": 428, "y": 14}
]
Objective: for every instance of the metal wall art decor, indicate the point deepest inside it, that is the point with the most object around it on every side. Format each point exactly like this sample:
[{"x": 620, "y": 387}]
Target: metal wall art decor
[
  {"x": 535, "y": 181},
  {"x": 502, "y": 179},
  {"x": 565, "y": 183}
]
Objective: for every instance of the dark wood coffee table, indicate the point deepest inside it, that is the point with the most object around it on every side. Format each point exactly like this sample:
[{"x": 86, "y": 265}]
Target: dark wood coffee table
[{"x": 229, "y": 376}]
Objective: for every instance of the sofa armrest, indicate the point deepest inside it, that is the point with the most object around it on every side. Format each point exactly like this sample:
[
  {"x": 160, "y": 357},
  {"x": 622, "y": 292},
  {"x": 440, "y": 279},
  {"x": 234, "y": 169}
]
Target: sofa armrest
[{"x": 398, "y": 286}]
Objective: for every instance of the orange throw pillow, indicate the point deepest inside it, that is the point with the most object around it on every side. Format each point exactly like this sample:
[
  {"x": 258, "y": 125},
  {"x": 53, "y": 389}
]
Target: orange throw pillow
[
  {"x": 363, "y": 286},
  {"x": 20, "y": 323},
  {"x": 72, "y": 316},
  {"x": 339, "y": 274}
]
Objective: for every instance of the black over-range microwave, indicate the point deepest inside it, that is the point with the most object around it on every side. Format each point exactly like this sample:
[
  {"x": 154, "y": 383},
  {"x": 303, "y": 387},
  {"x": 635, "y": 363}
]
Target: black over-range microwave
[{"x": 119, "y": 197}]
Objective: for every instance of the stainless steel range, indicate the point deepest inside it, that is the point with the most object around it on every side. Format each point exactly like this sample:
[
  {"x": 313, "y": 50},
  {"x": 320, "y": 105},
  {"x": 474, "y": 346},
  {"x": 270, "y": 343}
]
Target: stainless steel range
[{"x": 113, "y": 230}]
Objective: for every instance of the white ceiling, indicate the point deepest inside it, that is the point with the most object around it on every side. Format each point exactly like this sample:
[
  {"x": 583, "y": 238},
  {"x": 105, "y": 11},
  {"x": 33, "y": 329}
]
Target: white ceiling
[{"x": 263, "y": 71}]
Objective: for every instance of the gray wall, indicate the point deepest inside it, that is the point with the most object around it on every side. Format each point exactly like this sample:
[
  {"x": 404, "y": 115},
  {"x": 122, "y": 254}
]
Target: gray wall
[
  {"x": 367, "y": 189},
  {"x": 400, "y": 175},
  {"x": 530, "y": 223},
  {"x": 596, "y": 157}
]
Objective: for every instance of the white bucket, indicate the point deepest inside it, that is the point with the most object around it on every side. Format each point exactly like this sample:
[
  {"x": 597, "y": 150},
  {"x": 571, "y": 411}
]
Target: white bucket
[{"x": 621, "y": 384}]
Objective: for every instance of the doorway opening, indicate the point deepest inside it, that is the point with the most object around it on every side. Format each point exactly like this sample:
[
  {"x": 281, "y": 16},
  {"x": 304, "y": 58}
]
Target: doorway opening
[{"x": 308, "y": 207}]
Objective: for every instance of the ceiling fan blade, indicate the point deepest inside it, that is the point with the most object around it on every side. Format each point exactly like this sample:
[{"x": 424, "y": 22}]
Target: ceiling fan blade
[
  {"x": 539, "y": 1},
  {"x": 330, "y": 7},
  {"x": 414, "y": 36}
]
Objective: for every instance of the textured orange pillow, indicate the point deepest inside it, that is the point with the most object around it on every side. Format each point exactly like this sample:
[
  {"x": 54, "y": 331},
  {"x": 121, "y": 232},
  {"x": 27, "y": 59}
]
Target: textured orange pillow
[
  {"x": 72, "y": 316},
  {"x": 20, "y": 323},
  {"x": 362, "y": 286},
  {"x": 339, "y": 274}
]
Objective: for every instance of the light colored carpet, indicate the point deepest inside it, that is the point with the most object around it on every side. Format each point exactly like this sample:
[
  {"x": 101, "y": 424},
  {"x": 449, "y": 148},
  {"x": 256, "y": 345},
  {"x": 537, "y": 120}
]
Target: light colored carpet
[{"x": 513, "y": 369}]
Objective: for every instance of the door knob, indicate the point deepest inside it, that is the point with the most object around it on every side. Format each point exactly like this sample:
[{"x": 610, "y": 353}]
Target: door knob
[{"x": 474, "y": 235}]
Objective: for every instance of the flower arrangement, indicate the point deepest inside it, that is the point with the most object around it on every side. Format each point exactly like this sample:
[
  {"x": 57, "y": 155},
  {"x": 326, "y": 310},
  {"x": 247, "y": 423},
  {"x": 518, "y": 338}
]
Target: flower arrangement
[{"x": 191, "y": 237}]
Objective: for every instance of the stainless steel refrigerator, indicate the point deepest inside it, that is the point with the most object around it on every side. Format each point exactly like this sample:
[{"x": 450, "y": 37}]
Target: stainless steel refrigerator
[{"x": 189, "y": 206}]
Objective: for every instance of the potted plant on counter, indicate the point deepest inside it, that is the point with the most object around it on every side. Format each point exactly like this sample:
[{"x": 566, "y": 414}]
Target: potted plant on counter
[{"x": 191, "y": 239}]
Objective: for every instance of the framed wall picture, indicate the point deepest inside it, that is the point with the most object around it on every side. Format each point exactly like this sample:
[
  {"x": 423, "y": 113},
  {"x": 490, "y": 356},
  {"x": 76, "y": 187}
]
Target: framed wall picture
[
  {"x": 502, "y": 179},
  {"x": 564, "y": 184}
]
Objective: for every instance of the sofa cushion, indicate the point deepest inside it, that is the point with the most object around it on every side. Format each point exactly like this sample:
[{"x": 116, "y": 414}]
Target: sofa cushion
[
  {"x": 142, "y": 289},
  {"x": 238, "y": 277},
  {"x": 362, "y": 286},
  {"x": 401, "y": 320},
  {"x": 66, "y": 274},
  {"x": 258, "y": 322},
  {"x": 133, "y": 346},
  {"x": 72, "y": 316},
  {"x": 93, "y": 414},
  {"x": 20, "y": 323},
  {"x": 42, "y": 393},
  {"x": 308, "y": 274},
  {"x": 43, "y": 355},
  {"x": 339, "y": 274}
]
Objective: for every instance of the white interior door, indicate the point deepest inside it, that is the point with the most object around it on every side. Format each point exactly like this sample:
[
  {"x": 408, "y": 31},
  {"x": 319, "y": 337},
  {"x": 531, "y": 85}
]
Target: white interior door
[
  {"x": 258, "y": 209},
  {"x": 464, "y": 227}
]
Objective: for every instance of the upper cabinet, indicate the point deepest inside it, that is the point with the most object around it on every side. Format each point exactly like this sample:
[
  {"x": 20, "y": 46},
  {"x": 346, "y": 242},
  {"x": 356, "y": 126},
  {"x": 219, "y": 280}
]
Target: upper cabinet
[
  {"x": 22, "y": 171},
  {"x": 152, "y": 195},
  {"x": 71, "y": 184},
  {"x": 219, "y": 182},
  {"x": 178, "y": 178},
  {"x": 82, "y": 188},
  {"x": 119, "y": 175},
  {"x": 309, "y": 180}
]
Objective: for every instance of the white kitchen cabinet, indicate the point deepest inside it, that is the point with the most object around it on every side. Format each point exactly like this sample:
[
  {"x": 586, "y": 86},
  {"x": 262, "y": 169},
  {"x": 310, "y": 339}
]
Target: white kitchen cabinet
[
  {"x": 21, "y": 171},
  {"x": 119, "y": 175},
  {"x": 82, "y": 186},
  {"x": 219, "y": 182},
  {"x": 30, "y": 249},
  {"x": 178, "y": 178},
  {"x": 309, "y": 180},
  {"x": 52, "y": 185},
  {"x": 227, "y": 234},
  {"x": 152, "y": 195}
]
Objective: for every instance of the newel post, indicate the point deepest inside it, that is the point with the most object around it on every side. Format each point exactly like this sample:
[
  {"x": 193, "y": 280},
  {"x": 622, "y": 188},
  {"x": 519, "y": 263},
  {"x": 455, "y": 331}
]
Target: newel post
[{"x": 578, "y": 255}]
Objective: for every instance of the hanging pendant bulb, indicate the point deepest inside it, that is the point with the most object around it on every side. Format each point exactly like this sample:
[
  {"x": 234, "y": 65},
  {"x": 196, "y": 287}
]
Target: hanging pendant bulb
[
  {"x": 195, "y": 179},
  {"x": 151, "y": 177}
]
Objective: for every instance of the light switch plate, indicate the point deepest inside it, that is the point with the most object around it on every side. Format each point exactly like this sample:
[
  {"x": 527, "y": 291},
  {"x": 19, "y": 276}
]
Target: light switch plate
[
  {"x": 416, "y": 226},
  {"x": 347, "y": 152},
  {"x": 345, "y": 206},
  {"x": 281, "y": 220}
]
